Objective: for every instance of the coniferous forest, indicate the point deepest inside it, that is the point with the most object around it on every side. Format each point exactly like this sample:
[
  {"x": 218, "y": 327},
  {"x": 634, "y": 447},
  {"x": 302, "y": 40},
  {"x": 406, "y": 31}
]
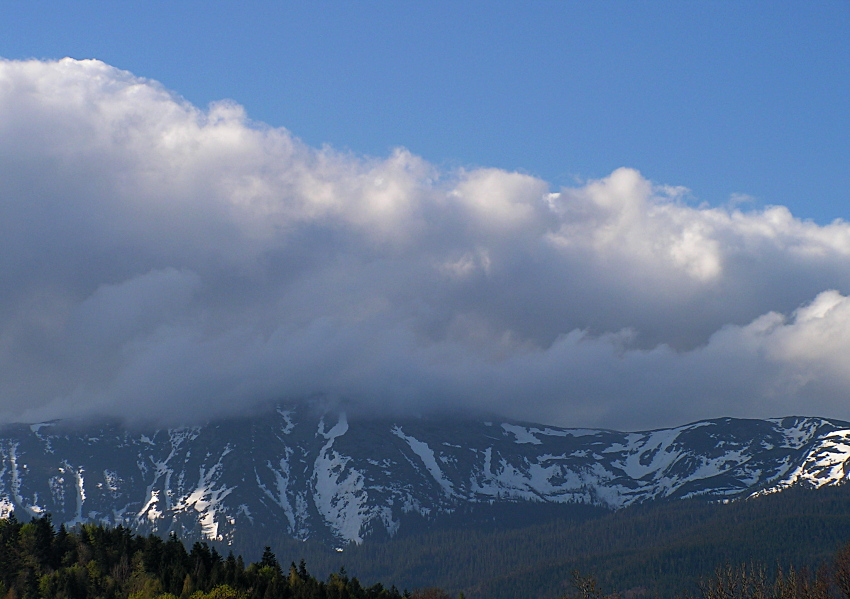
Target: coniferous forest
[{"x": 91, "y": 561}]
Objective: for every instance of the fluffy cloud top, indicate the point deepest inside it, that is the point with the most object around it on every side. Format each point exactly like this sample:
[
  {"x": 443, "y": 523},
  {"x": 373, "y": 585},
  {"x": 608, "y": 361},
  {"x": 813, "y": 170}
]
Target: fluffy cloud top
[{"x": 158, "y": 261}]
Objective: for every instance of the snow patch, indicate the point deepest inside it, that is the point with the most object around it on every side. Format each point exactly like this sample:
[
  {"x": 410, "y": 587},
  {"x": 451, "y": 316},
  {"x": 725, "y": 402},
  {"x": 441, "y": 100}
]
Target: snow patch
[
  {"x": 338, "y": 493},
  {"x": 206, "y": 498},
  {"x": 426, "y": 454},
  {"x": 282, "y": 476},
  {"x": 826, "y": 463},
  {"x": 522, "y": 434},
  {"x": 289, "y": 424}
]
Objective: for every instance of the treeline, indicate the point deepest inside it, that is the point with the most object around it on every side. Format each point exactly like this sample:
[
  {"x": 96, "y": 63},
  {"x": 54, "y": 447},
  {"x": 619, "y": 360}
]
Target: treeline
[
  {"x": 91, "y": 561},
  {"x": 661, "y": 550}
]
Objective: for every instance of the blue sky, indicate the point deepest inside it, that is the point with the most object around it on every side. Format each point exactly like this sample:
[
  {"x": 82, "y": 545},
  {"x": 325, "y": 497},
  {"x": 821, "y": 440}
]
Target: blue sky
[
  {"x": 424, "y": 206},
  {"x": 720, "y": 97}
]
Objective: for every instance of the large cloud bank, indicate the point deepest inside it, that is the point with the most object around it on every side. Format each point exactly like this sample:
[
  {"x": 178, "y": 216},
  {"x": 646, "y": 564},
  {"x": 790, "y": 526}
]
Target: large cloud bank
[{"x": 158, "y": 261}]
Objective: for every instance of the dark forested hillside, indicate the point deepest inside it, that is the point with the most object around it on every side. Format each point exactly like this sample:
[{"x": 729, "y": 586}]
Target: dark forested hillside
[{"x": 662, "y": 548}]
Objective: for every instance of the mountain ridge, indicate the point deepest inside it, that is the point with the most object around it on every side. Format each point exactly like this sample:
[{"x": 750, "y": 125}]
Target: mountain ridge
[{"x": 320, "y": 476}]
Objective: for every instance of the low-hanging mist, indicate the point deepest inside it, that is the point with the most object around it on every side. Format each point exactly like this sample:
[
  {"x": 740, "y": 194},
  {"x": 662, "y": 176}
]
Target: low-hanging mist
[{"x": 162, "y": 262}]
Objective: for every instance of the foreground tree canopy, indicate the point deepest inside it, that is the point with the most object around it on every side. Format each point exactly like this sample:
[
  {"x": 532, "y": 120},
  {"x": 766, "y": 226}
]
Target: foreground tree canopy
[{"x": 91, "y": 561}]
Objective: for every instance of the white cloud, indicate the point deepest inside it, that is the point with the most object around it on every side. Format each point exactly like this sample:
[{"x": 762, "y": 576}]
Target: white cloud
[{"x": 162, "y": 261}]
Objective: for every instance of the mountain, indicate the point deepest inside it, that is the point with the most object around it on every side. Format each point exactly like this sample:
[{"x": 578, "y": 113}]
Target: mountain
[{"x": 318, "y": 475}]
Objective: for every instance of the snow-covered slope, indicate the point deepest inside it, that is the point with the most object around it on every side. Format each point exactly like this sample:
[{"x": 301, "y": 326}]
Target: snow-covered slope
[{"x": 322, "y": 476}]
